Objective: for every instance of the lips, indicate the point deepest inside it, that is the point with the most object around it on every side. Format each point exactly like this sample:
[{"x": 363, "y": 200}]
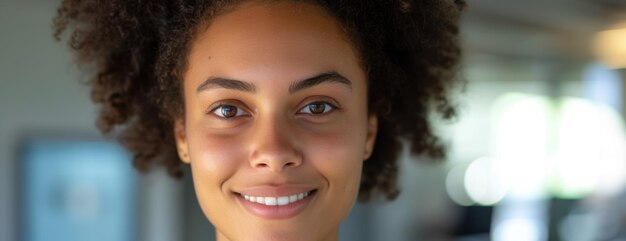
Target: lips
[{"x": 276, "y": 202}]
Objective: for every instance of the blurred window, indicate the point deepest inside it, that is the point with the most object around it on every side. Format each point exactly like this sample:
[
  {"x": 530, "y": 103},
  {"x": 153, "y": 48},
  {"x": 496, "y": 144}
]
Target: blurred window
[{"x": 76, "y": 190}]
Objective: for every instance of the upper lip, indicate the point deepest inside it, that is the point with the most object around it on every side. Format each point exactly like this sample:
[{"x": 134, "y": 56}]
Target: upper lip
[{"x": 275, "y": 190}]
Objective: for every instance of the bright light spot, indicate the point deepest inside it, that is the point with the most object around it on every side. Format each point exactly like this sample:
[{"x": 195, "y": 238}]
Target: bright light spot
[
  {"x": 455, "y": 185},
  {"x": 521, "y": 142},
  {"x": 519, "y": 229},
  {"x": 591, "y": 156},
  {"x": 572, "y": 148},
  {"x": 610, "y": 48},
  {"x": 484, "y": 183}
]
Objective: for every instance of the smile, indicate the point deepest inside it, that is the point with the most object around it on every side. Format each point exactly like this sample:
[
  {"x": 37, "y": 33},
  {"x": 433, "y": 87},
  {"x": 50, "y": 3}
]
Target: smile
[
  {"x": 277, "y": 207},
  {"x": 276, "y": 201}
]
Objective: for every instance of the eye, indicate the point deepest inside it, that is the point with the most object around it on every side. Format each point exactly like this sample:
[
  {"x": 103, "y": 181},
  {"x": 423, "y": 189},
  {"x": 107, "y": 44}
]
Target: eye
[
  {"x": 228, "y": 111},
  {"x": 317, "y": 108}
]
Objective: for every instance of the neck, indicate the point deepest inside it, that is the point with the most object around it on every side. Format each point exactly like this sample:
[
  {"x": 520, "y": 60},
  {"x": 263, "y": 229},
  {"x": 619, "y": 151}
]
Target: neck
[{"x": 334, "y": 236}]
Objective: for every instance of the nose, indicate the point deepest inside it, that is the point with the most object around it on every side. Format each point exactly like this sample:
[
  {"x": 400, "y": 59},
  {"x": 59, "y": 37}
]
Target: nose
[{"x": 274, "y": 146}]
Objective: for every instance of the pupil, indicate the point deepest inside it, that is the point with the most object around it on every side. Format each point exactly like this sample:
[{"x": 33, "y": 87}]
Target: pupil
[
  {"x": 317, "y": 108},
  {"x": 228, "y": 111}
]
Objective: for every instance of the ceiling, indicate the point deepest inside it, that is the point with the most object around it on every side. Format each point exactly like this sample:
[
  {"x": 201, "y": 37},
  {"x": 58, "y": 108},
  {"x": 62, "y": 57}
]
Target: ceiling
[{"x": 548, "y": 29}]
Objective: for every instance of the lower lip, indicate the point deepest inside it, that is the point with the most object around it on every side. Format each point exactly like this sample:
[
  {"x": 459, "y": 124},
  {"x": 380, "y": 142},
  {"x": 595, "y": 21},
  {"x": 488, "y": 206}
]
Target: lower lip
[{"x": 276, "y": 212}]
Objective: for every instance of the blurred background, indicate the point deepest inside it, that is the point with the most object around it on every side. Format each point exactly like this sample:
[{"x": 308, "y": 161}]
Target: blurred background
[{"x": 538, "y": 153}]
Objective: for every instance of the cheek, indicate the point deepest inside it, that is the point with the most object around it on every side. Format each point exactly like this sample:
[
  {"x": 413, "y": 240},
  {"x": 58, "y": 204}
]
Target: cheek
[
  {"x": 338, "y": 155},
  {"x": 214, "y": 159}
]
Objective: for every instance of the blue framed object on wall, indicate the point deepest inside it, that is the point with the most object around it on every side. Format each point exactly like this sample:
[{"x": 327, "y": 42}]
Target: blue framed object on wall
[{"x": 76, "y": 190}]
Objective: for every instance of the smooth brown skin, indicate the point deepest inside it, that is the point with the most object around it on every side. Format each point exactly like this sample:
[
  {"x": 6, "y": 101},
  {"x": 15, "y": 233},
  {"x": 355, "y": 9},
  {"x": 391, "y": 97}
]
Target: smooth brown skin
[{"x": 274, "y": 137}]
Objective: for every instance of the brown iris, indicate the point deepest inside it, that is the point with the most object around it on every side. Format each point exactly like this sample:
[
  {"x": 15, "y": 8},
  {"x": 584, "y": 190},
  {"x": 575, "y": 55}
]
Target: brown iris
[
  {"x": 228, "y": 111},
  {"x": 317, "y": 108}
]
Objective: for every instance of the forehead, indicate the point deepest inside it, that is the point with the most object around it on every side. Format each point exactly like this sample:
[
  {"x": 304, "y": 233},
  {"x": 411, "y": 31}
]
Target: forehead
[{"x": 300, "y": 37}]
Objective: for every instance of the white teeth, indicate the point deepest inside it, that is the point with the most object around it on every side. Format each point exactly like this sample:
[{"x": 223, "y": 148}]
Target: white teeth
[
  {"x": 273, "y": 201},
  {"x": 270, "y": 201},
  {"x": 282, "y": 201}
]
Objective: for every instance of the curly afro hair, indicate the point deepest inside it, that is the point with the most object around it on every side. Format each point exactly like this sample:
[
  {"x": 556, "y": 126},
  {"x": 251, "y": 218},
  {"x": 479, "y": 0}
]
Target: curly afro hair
[{"x": 138, "y": 49}]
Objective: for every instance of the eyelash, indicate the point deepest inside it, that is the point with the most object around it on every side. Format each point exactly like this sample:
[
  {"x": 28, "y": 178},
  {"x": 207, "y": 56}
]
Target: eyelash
[
  {"x": 239, "y": 111},
  {"x": 326, "y": 105},
  {"x": 328, "y": 108}
]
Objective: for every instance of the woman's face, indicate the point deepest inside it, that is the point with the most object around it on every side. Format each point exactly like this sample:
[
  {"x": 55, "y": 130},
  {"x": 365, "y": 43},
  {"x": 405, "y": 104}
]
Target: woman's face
[{"x": 276, "y": 125}]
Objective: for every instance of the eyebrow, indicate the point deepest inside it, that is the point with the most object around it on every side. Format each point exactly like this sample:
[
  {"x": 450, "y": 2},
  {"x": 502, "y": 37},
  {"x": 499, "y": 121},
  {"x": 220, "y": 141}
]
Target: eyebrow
[
  {"x": 319, "y": 79},
  {"x": 219, "y": 82}
]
